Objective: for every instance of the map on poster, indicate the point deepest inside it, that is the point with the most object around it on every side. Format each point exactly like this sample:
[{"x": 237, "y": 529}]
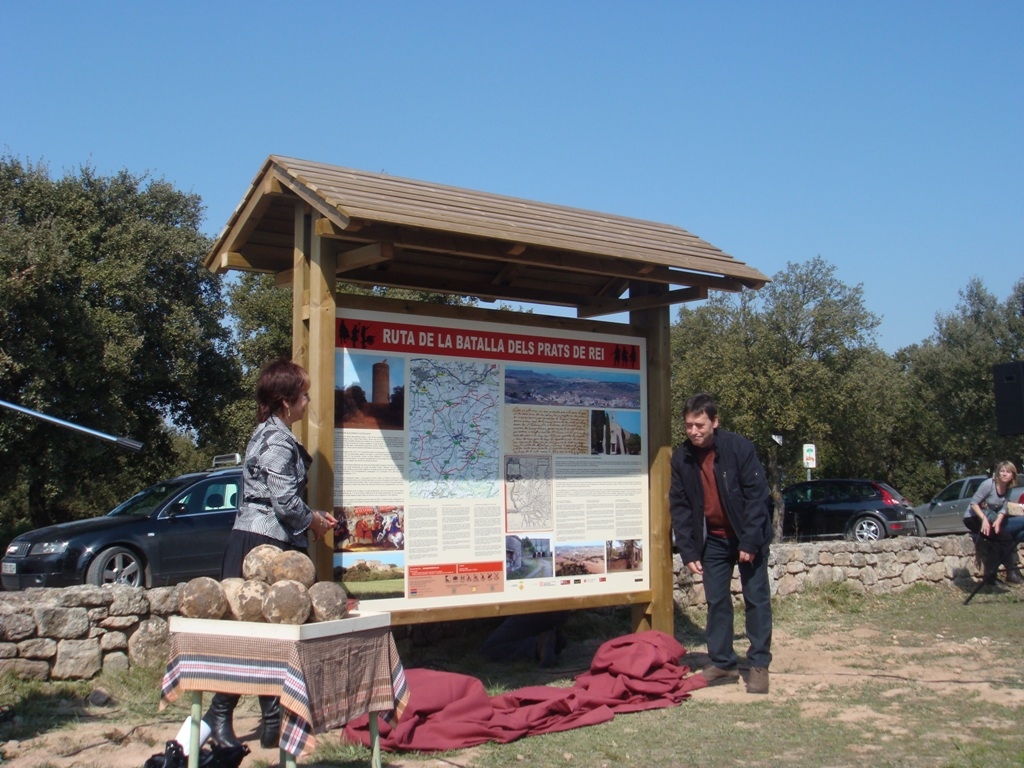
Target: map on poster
[
  {"x": 528, "y": 493},
  {"x": 477, "y": 463},
  {"x": 454, "y": 407}
]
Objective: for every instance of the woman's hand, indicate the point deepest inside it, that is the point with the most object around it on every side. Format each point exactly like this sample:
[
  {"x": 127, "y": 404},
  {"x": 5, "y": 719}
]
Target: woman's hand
[
  {"x": 321, "y": 523},
  {"x": 986, "y": 526}
]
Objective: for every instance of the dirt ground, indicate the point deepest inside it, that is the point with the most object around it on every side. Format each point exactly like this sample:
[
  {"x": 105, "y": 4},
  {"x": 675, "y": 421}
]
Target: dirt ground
[{"x": 801, "y": 666}]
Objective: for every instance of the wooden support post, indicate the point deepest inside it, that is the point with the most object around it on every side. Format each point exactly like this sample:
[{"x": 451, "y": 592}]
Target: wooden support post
[
  {"x": 658, "y": 614},
  {"x": 313, "y": 313},
  {"x": 320, "y": 414},
  {"x": 300, "y": 297}
]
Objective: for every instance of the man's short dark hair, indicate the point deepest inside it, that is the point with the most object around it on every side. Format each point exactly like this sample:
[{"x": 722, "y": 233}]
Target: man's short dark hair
[{"x": 702, "y": 402}]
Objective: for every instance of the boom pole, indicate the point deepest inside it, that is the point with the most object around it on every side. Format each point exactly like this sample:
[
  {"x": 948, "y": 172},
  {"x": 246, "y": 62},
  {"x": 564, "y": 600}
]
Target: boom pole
[{"x": 124, "y": 442}]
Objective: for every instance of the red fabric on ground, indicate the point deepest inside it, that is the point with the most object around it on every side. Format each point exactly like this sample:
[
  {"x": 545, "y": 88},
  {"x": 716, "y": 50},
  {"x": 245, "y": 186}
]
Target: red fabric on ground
[{"x": 452, "y": 711}]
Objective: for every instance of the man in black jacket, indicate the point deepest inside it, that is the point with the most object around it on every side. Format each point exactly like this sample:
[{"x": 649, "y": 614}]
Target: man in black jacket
[{"x": 721, "y": 515}]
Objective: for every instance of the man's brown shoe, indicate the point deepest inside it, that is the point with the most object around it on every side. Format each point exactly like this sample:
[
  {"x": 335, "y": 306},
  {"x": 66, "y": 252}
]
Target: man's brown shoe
[
  {"x": 718, "y": 676},
  {"x": 757, "y": 681}
]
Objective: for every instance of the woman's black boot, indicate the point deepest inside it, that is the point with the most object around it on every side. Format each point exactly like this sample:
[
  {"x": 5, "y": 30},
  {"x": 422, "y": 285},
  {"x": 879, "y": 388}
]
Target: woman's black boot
[
  {"x": 270, "y": 721},
  {"x": 219, "y": 718}
]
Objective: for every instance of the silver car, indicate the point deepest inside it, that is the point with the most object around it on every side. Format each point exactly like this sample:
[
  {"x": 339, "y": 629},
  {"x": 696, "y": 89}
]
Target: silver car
[{"x": 945, "y": 513}]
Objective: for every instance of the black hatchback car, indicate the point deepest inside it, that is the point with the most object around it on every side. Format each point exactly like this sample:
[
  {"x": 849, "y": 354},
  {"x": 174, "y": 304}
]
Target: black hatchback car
[
  {"x": 857, "y": 510},
  {"x": 170, "y": 532}
]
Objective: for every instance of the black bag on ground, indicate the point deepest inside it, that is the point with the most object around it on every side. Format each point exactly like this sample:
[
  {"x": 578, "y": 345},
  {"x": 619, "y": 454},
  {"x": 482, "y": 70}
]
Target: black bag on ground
[
  {"x": 219, "y": 757},
  {"x": 223, "y": 757},
  {"x": 172, "y": 757}
]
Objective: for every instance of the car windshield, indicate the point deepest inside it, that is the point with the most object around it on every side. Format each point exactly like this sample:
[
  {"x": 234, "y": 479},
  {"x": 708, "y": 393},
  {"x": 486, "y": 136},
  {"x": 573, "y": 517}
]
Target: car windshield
[{"x": 145, "y": 502}]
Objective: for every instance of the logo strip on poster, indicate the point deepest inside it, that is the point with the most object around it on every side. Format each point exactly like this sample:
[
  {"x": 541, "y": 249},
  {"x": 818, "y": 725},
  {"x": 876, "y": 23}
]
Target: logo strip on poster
[{"x": 426, "y": 340}]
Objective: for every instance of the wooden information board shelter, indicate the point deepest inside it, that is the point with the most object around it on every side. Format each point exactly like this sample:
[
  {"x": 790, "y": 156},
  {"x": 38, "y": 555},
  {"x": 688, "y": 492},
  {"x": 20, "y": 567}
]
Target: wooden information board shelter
[{"x": 312, "y": 225}]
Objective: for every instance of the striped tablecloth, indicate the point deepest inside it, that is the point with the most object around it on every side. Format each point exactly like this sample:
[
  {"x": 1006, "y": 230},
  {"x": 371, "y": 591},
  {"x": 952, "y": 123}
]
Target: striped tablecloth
[{"x": 323, "y": 683}]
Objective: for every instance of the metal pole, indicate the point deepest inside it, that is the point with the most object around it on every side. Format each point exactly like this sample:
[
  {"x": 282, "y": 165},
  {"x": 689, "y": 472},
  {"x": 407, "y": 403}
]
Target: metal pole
[{"x": 124, "y": 442}]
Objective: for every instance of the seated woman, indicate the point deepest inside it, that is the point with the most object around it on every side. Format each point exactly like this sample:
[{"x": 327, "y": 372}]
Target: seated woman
[{"x": 988, "y": 515}]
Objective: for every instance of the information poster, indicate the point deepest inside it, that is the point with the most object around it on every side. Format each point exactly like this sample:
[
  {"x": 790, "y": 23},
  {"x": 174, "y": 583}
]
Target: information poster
[{"x": 482, "y": 463}]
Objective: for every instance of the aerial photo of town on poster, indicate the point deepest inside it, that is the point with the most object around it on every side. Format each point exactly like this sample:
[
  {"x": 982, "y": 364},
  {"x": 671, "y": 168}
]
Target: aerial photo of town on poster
[{"x": 484, "y": 463}]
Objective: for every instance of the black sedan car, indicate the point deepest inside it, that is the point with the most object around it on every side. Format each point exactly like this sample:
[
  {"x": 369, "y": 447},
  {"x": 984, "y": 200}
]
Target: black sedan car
[
  {"x": 170, "y": 532},
  {"x": 857, "y": 510}
]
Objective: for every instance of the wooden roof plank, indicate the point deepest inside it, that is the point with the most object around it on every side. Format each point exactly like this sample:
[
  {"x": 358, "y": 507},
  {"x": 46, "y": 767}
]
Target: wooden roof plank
[
  {"x": 380, "y": 198},
  {"x": 364, "y": 256},
  {"x": 485, "y": 245},
  {"x": 431, "y": 280},
  {"x": 444, "y": 242},
  {"x": 632, "y": 304}
]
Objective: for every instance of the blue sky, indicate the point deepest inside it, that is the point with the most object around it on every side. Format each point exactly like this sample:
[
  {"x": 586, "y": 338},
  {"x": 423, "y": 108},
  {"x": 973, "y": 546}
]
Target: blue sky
[{"x": 885, "y": 137}]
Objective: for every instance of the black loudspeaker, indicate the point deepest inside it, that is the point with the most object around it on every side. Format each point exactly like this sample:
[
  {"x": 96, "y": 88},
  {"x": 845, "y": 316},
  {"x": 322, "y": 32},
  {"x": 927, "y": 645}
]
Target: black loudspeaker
[{"x": 1008, "y": 381}]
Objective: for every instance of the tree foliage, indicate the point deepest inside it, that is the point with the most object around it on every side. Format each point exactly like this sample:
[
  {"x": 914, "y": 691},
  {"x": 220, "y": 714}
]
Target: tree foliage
[
  {"x": 798, "y": 360},
  {"x": 788, "y": 361},
  {"x": 107, "y": 320},
  {"x": 951, "y": 376}
]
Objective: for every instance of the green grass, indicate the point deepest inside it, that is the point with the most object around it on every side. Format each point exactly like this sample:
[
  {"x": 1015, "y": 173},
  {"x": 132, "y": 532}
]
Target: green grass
[
  {"x": 876, "y": 717},
  {"x": 46, "y": 706},
  {"x": 878, "y": 712}
]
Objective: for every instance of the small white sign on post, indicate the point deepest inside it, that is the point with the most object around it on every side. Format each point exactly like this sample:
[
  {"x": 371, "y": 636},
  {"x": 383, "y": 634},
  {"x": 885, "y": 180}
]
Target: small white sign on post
[{"x": 810, "y": 457}]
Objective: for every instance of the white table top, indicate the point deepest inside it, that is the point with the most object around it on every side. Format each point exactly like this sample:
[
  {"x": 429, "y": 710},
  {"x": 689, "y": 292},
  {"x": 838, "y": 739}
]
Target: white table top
[{"x": 356, "y": 621}]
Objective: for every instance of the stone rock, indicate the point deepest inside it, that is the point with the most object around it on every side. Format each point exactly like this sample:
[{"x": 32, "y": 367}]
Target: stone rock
[
  {"x": 329, "y": 601},
  {"x": 96, "y": 615},
  {"x": 87, "y": 595},
  {"x": 935, "y": 571},
  {"x": 16, "y": 626},
  {"x": 231, "y": 587},
  {"x": 149, "y": 645},
  {"x": 127, "y": 600},
  {"x": 100, "y": 698},
  {"x": 61, "y": 622},
  {"x": 293, "y": 565},
  {"x": 113, "y": 641},
  {"x": 203, "y": 598},
  {"x": 249, "y": 606},
  {"x": 25, "y": 669},
  {"x": 77, "y": 659},
  {"x": 287, "y": 602},
  {"x": 856, "y": 587},
  {"x": 37, "y": 648},
  {"x": 164, "y": 600},
  {"x": 116, "y": 661},
  {"x": 258, "y": 562},
  {"x": 912, "y": 573},
  {"x": 120, "y": 622}
]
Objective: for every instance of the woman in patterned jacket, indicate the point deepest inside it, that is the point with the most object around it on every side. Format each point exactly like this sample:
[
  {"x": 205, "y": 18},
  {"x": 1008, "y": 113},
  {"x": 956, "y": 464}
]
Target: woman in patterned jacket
[{"x": 272, "y": 511}]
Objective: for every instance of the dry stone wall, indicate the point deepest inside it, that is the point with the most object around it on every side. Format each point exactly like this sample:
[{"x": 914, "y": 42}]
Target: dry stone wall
[
  {"x": 78, "y": 632},
  {"x": 876, "y": 568}
]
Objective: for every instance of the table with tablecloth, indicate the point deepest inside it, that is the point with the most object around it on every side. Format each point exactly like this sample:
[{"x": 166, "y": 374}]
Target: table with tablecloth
[{"x": 325, "y": 675}]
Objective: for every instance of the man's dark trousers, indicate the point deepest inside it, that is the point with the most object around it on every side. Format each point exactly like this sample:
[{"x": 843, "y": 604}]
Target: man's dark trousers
[{"x": 720, "y": 556}]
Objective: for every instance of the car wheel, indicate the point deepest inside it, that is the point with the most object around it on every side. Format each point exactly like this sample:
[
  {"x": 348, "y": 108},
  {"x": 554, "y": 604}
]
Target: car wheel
[
  {"x": 866, "y": 529},
  {"x": 117, "y": 565},
  {"x": 919, "y": 529}
]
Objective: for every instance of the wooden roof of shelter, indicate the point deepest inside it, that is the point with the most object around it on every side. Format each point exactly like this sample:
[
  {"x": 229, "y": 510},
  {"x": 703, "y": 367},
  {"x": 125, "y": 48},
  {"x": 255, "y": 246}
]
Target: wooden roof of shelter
[{"x": 396, "y": 232}]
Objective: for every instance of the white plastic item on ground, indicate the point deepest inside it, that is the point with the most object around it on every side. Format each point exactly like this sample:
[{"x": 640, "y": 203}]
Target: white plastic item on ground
[{"x": 184, "y": 736}]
